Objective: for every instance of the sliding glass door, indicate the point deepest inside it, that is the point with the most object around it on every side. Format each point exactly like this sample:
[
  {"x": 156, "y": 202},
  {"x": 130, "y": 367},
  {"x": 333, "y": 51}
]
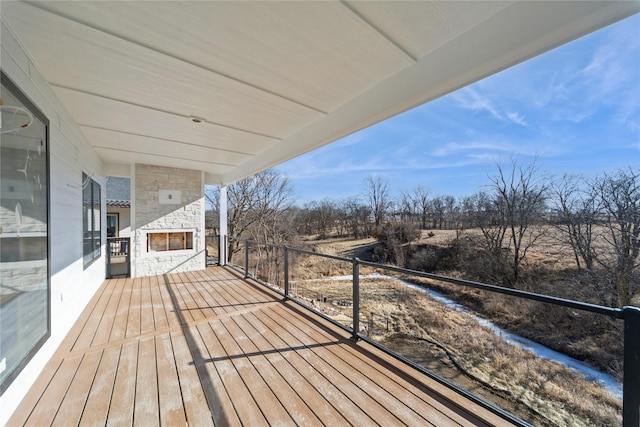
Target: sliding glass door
[{"x": 24, "y": 231}]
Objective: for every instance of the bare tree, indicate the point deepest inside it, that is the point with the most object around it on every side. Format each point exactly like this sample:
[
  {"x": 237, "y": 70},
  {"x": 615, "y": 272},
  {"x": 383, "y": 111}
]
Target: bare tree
[
  {"x": 407, "y": 208},
  {"x": 255, "y": 206},
  {"x": 357, "y": 214},
  {"x": 327, "y": 213},
  {"x": 436, "y": 210},
  {"x": 320, "y": 217},
  {"x": 468, "y": 212},
  {"x": 523, "y": 198},
  {"x": 489, "y": 215},
  {"x": 442, "y": 208},
  {"x": 421, "y": 201},
  {"x": 450, "y": 211},
  {"x": 212, "y": 212},
  {"x": 619, "y": 196},
  {"x": 304, "y": 220},
  {"x": 274, "y": 199},
  {"x": 415, "y": 205},
  {"x": 576, "y": 216},
  {"x": 379, "y": 197}
]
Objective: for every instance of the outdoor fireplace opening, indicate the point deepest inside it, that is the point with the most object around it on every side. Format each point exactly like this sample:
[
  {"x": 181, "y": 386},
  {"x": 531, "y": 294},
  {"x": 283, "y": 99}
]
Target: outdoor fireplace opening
[{"x": 169, "y": 241}]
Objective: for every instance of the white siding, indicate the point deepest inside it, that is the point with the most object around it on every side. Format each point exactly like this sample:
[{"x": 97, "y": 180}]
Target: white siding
[{"x": 70, "y": 155}]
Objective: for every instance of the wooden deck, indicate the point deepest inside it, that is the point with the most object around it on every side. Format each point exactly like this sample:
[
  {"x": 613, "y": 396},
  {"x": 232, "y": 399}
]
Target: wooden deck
[{"x": 210, "y": 348}]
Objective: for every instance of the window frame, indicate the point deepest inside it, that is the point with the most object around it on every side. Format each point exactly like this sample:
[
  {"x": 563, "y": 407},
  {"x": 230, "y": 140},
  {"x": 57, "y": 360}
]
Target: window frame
[
  {"x": 91, "y": 220},
  {"x": 15, "y": 90},
  {"x": 116, "y": 215}
]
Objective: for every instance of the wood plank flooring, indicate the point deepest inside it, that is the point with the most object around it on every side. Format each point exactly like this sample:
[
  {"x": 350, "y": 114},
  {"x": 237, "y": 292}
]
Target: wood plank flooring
[{"x": 210, "y": 348}]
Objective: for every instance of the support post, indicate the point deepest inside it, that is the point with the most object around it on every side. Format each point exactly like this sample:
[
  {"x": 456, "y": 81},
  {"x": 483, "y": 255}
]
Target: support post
[
  {"x": 356, "y": 299},
  {"x": 108, "y": 259},
  {"x": 128, "y": 256},
  {"x": 286, "y": 273},
  {"x": 222, "y": 242},
  {"x": 631, "y": 386},
  {"x": 220, "y": 246}
]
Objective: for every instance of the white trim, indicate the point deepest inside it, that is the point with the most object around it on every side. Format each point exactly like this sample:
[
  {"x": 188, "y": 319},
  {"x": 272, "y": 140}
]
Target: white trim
[
  {"x": 132, "y": 222},
  {"x": 222, "y": 256}
]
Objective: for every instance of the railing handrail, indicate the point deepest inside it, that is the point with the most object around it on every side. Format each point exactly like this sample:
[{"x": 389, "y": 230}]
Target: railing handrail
[
  {"x": 578, "y": 305},
  {"x": 630, "y": 316},
  {"x": 617, "y": 313}
]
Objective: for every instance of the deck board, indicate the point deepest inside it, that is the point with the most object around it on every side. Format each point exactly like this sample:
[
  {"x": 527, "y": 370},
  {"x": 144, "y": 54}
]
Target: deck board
[
  {"x": 122, "y": 312},
  {"x": 50, "y": 400},
  {"x": 322, "y": 386},
  {"x": 322, "y": 410},
  {"x": 211, "y": 348},
  {"x": 133, "y": 317},
  {"x": 93, "y": 317},
  {"x": 147, "y": 321},
  {"x": 375, "y": 382},
  {"x": 220, "y": 406},
  {"x": 146, "y": 411},
  {"x": 71, "y": 408},
  {"x": 316, "y": 352},
  {"x": 171, "y": 409},
  {"x": 103, "y": 331},
  {"x": 124, "y": 389},
  {"x": 97, "y": 405}
]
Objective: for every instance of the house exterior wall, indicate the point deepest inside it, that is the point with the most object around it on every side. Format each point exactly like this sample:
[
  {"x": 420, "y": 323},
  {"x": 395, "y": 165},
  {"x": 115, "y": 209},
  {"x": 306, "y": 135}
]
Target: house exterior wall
[
  {"x": 167, "y": 199},
  {"x": 72, "y": 286}
]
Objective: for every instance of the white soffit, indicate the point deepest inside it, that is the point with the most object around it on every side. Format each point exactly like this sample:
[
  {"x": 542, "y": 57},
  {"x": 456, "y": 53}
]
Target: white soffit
[{"x": 272, "y": 80}]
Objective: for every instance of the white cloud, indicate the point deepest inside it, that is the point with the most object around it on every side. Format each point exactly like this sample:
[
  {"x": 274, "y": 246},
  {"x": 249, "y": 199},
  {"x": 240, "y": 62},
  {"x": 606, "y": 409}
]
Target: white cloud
[
  {"x": 457, "y": 148},
  {"x": 517, "y": 118},
  {"x": 471, "y": 99}
]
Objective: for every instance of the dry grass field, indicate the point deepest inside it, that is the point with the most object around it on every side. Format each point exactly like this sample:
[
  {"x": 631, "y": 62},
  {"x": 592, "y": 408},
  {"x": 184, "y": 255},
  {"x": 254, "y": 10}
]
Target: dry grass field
[{"x": 454, "y": 345}]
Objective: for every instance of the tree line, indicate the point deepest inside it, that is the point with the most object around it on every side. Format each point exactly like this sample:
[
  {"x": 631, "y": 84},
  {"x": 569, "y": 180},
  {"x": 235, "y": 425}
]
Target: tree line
[{"x": 598, "y": 219}]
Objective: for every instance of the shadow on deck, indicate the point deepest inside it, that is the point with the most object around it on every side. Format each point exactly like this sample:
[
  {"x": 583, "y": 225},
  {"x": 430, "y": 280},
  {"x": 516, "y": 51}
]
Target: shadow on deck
[{"x": 211, "y": 348}]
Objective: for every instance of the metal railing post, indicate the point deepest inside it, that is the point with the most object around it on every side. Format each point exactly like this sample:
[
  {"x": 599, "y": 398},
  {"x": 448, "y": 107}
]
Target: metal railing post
[
  {"x": 286, "y": 272},
  {"x": 356, "y": 299},
  {"x": 108, "y": 259},
  {"x": 631, "y": 385},
  {"x": 128, "y": 257},
  {"x": 246, "y": 258}
]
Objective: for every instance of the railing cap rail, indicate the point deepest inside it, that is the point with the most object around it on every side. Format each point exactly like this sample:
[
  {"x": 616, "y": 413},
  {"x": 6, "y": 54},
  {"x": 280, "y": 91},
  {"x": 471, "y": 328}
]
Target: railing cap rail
[{"x": 617, "y": 313}]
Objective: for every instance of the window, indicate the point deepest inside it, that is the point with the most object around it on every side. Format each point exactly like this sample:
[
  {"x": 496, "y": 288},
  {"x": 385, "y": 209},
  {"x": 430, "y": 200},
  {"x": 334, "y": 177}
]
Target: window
[
  {"x": 112, "y": 225},
  {"x": 90, "y": 219},
  {"x": 174, "y": 241},
  {"x": 24, "y": 231}
]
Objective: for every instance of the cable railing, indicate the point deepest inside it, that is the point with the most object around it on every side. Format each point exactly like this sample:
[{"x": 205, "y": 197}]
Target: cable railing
[
  {"x": 364, "y": 298},
  {"x": 212, "y": 249}
]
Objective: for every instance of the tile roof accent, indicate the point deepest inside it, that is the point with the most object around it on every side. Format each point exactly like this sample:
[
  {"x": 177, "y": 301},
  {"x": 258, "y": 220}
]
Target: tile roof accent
[
  {"x": 118, "y": 203},
  {"x": 118, "y": 189}
]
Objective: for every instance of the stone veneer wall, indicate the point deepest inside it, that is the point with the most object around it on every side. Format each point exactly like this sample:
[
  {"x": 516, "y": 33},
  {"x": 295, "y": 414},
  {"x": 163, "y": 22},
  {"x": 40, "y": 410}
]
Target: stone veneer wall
[{"x": 152, "y": 216}]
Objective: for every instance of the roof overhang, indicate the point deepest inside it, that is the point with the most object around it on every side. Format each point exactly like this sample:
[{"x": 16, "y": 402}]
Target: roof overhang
[{"x": 268, "y": 81}]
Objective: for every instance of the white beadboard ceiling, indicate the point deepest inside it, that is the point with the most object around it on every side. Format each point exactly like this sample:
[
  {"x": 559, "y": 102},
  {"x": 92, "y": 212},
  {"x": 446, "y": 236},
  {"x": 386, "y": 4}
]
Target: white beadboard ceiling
[{"x": 271, "y": 80}]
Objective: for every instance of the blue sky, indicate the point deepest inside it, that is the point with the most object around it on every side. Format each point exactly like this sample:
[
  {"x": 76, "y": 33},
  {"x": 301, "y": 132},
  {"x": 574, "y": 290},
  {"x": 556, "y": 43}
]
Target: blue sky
[{"x": 576, "y": 109}]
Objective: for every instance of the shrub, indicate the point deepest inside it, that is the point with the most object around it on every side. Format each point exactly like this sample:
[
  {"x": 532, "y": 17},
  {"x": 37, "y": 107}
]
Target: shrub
[
  {"x": 392, "y": 237},
  {"x": 397, "y": 233}
]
